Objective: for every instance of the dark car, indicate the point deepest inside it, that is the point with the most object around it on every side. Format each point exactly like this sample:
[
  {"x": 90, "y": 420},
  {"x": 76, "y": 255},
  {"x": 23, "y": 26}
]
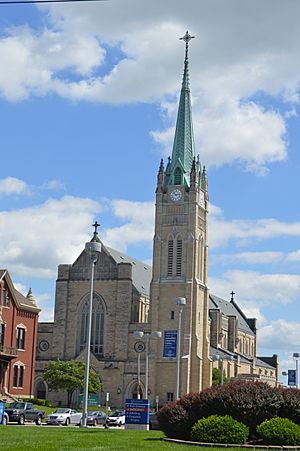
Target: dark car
[
  {"x": 153, "y": 423},
  {"x": 24, "y": 411},
  {"x": 97, "y": 417}
]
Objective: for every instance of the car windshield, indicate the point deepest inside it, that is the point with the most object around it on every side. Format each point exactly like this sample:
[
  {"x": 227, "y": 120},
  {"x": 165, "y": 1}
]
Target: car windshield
[
  {"x": 18, "y": 405},
  {"x": 117, "y": 413},
  {"x": 62, "y": 411},
  {"x": 94, "y": 414}
]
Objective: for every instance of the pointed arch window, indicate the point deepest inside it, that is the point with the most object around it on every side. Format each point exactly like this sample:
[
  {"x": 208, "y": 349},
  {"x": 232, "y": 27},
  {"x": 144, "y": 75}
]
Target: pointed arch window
[
  {"x": 201, "y": 259},
  {"x": 97, "y": 333},
  {"x": 170, "y": 256},
  {"x": 177, "y": 176},
  {"x": 178, "y": 257}
]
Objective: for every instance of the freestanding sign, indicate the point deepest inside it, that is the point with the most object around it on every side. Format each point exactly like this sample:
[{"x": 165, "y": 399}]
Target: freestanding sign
[
  {"x": 292, "y": 377},
  {"x": 137, "y": 414},
  {"x": 93, "y": 399},
  {"x": 170, "y": 343},
  {"x": 2, "y": 405}
]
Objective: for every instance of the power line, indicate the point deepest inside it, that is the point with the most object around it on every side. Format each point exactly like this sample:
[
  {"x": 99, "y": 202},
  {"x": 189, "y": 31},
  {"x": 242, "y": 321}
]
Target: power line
[{"x": 16, "y": 2}]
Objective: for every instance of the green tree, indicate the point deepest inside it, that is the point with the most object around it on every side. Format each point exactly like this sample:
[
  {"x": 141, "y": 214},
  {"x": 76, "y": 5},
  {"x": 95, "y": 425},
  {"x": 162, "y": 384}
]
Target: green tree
[
  {"x": 69, "y": 376},
  {"x": 217, "y": 376}
]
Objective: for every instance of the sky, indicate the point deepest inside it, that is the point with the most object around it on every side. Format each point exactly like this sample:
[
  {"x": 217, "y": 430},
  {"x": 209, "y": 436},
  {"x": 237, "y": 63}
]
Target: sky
[{"x": 88, "y": 102}]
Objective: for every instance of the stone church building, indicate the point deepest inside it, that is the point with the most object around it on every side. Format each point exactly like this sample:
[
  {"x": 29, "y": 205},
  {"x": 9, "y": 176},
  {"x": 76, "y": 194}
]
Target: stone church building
[{"x": 131, "y": 296}]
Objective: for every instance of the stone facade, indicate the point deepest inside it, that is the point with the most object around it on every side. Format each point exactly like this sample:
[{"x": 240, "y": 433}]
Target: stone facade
[{"x": 125, "y": 301}]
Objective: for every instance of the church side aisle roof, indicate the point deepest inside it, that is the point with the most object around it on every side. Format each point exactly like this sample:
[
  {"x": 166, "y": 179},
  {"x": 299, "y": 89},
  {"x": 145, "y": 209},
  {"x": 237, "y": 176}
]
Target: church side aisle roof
[{"x": 141, "y": 272}]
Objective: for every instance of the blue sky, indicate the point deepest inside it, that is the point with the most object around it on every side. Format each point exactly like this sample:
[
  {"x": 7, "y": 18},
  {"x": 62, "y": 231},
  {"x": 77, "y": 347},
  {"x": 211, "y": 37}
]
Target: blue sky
[{"x": 88, "y": 101}]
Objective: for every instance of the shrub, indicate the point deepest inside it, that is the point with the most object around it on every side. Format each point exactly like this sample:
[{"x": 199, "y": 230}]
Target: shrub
[
  {"x": 219, "y": 429},
  {"x": 291, "y": 404},
  {"x": 177, "y": 419},
  {"x": 246, "y": 401},
  {"x": 173, "y": 421},
  {"x": 279, "y": 431}
]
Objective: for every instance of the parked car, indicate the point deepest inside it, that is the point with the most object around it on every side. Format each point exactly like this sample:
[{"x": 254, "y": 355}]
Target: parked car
[
  {"x": 24, "y": 411},
  {"x": 64, "y": 416},
  {"x": 97, "y": 417},
  {"x": 153, "y": 423},
  {"x": 117, "y": 418}
]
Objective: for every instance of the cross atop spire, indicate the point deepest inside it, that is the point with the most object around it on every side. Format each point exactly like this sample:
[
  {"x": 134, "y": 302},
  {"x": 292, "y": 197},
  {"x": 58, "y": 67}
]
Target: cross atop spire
[
  {"x": 95, "y": 236},
  {"x": 96, "y": 225},
  {"x": 232, "y": 295},
  {"x": 186, "y": 38}
]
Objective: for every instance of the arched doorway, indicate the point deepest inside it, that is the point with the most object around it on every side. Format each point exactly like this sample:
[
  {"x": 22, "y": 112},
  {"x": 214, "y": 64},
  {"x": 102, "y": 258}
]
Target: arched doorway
[
  {"x": 135, "y": 391},
  {"x": 41, "y": 390},
  {"x": 132, "y": 390}
]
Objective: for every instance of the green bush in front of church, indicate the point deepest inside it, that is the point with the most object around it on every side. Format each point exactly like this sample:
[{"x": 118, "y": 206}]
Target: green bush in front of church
[
  {"x": 279, "y": 431},
  {"x": 219, "y": 429}
]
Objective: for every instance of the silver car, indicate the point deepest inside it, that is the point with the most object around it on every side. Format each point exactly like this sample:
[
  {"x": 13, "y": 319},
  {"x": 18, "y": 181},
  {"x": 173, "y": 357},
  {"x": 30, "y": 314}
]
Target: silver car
[{"x": 64, "y": 416}]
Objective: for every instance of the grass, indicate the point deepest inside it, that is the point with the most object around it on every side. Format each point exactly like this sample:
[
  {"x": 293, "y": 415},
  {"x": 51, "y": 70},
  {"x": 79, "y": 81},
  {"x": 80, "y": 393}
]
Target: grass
[{"x": 47, "y": 438}]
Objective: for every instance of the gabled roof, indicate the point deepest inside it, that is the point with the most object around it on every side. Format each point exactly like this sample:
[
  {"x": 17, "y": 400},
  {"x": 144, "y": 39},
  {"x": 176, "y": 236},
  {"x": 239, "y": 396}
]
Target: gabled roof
[
  {"x": 141, "y": 272},
  {"x": 230, "y": 309},
  {"x": 21, "y": 302}
]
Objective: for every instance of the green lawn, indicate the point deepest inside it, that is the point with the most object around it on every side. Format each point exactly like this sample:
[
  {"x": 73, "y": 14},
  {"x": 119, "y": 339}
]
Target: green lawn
[{"x": 47, "y": 438}]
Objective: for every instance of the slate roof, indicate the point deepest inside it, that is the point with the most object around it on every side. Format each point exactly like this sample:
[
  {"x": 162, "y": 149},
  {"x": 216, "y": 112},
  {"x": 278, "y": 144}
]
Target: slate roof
[
  {"x": 22, "y": 302},
  {"x": 225, "y": 354},
  {"x": 141, "y": 272},
  {"x": 229, "y": 308}
]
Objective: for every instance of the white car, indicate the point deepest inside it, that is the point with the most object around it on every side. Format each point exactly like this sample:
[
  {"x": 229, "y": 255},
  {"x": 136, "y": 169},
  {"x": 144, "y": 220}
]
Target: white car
[
  {"x": 64, "y": 416},
  {"x": 116, "y": 418}
]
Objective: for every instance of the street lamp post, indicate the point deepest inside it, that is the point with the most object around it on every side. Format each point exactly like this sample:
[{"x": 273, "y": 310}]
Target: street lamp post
[
  {"x": 181, "y": 302},
  {"x": 218, "y": 358},
  {"x": 147, "y": 336},
  {"x": 92, "y": 248}
]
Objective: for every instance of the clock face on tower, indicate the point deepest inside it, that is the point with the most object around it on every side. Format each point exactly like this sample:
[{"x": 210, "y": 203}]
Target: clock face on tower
[{"x": 176, "y": 195}]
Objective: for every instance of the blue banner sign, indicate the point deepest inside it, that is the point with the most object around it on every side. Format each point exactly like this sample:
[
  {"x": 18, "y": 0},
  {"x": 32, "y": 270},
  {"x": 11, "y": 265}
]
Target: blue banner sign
[
  {"x": 137, "y": 411},
  {"x": 292, "y": 377},
  {"x": 170, "y": 343},
  {"x": 2, "y": 405}
]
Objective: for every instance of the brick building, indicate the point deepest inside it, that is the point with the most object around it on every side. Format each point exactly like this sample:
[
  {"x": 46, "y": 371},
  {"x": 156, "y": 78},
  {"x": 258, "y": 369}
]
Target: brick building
[{"x": 18, "y": 331}]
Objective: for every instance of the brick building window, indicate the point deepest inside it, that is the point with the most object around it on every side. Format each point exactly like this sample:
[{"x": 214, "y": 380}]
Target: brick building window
[
  {"x": 4, "y": 296},
  {"x": 2, "y": 330},
  {"x": 18, "y": 376},
  {"x": 20, "y": 338},
  {"x": 172, "y": 314},
  {"x": 170, "y": 396}
]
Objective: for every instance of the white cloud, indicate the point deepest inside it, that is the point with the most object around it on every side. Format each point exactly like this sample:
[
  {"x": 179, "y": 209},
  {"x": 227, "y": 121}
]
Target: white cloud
[
  {"x": 138, "y": 228},
  {"x": 237, "y": 54},
  {"x": 36, "y": 239},
  {"x": 256, "y": 288},
  {"x": 251, "y": 257},
  {"x": 294, "y": 256},
  {"x": 240, "y": 230},
  {"x": 12, "y": 185},
  {"x": 282, "y": 335}
]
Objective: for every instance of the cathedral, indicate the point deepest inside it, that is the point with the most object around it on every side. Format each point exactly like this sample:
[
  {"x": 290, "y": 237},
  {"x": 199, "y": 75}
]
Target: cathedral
[{"x": 160, "y": 321}]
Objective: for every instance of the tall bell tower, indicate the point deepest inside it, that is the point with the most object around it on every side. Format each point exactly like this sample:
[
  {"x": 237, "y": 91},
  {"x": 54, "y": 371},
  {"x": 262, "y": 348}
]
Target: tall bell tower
[{"x": 180, "y": 260}]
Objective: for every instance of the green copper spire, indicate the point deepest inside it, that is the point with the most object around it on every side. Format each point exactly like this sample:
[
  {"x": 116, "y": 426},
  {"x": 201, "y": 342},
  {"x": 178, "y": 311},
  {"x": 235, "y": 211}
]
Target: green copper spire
[{"x": 183, "y": 147}]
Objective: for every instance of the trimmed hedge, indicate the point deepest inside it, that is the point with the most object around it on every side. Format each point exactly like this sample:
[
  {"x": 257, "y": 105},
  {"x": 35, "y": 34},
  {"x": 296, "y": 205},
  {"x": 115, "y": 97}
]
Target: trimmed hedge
[
  {"x": 219, "y": 429},
  {"x": 248, "y": 402},
  {"x": 290, "y": 407},
  {"x": 279, "y": 431}
]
